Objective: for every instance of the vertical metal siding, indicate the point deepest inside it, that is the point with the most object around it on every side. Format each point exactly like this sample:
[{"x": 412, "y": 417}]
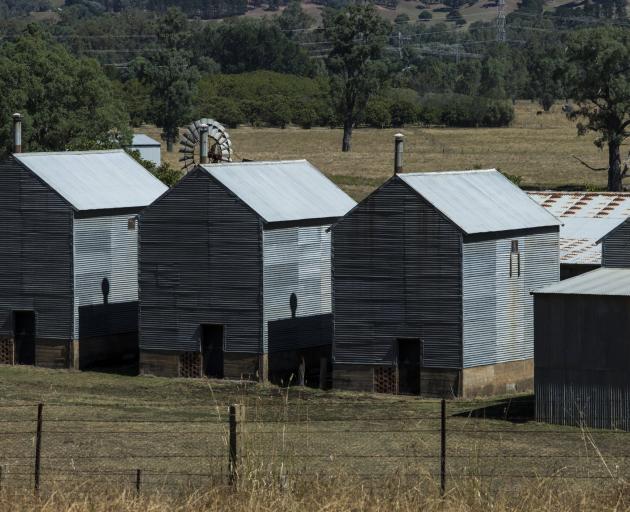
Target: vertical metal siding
[
  {"x": 35, "y": 253},
  {"x": 296, "y": 261},
  {"x": 105, "y": 248},
  {"x": 397, "y": 273},
  {"x": 497, "y": 306},
  {"x": 200, "y": 263},
  {"x": 616, "y": 247},
  {"x": 581, "y": 359}
]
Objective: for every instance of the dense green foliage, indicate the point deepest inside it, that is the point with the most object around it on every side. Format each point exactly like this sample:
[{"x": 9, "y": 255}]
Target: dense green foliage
[
  {"x": 264, "y": 98},
  {"x": 599, "y": 82},
  {"x": 167, "y": 67},
  {"x": 13, "y": 8},
  {"x": 357, "y": 35},
  {"x": 67, "y": 103},
  {"x": 168, "y": 75},
  {"x": 164, "y": 172}
]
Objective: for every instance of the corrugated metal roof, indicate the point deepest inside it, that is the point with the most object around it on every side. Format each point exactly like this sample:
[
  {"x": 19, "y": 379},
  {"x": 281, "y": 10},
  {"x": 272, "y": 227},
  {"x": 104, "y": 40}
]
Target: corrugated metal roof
[
  {"x": 587, "y": 217},
  {"x": 283, "y": 191},
  {"x": 584, "y": 204},
  {"x": 603, "y": 281},
  {"x": 95, "y": 180},
  {"x": 479, "y": 201},
  {"x": 140, "y": 139},
  {"x": 579, "y": 239}
]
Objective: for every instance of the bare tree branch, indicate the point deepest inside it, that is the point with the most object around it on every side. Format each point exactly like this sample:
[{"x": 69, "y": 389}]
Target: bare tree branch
[{"x": 590, "y": 167}]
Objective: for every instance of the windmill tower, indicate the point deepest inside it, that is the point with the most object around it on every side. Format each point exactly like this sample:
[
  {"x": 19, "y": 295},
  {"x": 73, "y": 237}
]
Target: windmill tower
[
  {"x": 501, "y": 21},
  {"x": 205, "y": 141}
]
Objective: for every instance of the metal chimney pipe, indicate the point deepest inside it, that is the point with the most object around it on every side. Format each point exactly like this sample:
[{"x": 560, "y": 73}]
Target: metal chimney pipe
[
  {"x": 17, "y": 133},
  {"x": 203, "y": 147},
  {"x": 398, "y": 152}
]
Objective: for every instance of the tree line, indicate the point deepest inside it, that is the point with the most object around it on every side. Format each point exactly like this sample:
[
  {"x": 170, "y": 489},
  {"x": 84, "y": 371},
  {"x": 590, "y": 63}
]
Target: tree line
[{"x": 126, "y": 66}]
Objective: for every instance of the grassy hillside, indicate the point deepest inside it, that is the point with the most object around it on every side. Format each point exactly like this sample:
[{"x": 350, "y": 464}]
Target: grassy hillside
[
  {"x": 299, "y": 449},
  {"x": 538, "y": 148}
]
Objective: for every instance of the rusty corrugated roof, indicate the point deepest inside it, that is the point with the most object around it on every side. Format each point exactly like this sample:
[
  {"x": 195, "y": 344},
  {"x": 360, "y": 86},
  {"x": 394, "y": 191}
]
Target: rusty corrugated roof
[{"x": 586, "y": 218}]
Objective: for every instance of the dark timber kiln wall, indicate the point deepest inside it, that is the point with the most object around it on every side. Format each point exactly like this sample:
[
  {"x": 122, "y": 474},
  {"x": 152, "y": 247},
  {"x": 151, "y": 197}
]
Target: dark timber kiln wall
[
  {"x": 616, "y": 247},
  {"x": 35, "y": 254},
  {"x": 397, "y": 273},
  {"x": 200, "y": 263},
  {"x": 581, "y": 360}
]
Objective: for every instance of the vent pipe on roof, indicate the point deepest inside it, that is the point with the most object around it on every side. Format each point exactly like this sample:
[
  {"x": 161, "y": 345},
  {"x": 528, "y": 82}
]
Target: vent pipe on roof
[
  {"x": 398, "y": 154},
  {"x": 203, "y": 147},
  {"x": 17, "y": 133}
]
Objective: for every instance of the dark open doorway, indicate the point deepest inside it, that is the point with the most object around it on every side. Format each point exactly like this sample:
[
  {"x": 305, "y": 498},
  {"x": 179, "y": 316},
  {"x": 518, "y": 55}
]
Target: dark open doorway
[
  {"x": 24, "y": 334},
  {"x": 409, "y": 362},
  {"x": 212, "y": 350}
]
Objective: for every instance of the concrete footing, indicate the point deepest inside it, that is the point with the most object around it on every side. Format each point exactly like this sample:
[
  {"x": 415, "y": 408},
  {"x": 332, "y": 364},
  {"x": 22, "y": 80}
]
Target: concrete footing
[{"x": 496, "y": 379}]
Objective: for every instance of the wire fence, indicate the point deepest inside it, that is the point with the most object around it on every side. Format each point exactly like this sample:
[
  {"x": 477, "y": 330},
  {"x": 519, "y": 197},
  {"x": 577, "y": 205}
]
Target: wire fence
[{"x": 178, "y": 450}]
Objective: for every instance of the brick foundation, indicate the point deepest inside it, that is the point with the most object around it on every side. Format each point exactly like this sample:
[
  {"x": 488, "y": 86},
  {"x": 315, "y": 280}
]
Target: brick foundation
[
  {"x": 242, "y": 366},
  {"x": 353, "y": 377},
  {"x": 189, "y": 364},
  {"x": 160, "y": 364},
  {"x": 434, "y": 382},
  {"x": 7, "y": 351},
  {"x": 55, "y": 354},
  {"x": 498, "y": 379}
]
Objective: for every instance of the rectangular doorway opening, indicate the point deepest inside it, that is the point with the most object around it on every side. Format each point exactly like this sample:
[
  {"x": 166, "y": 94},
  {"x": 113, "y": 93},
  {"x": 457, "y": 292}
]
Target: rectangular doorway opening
[
  {"x": 212, "y": 350},
  {"x": 409, "y": 363},
  {"x": 24, "y": 335}
]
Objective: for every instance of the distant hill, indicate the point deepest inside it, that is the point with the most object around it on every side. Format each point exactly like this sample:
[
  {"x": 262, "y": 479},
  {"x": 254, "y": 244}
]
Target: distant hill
[{"x": 427, "y": 12}]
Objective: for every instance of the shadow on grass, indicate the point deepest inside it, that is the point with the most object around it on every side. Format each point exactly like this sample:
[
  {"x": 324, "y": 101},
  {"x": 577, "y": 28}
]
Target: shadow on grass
[
  {"x": 127, "y": 367},
  {"x": 515, "y": 410}
]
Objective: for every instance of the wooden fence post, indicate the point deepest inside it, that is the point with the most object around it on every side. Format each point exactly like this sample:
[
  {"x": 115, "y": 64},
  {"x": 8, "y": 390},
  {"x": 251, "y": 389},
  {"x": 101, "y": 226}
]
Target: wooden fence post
[
  {"x": 38, "y": 446},
  {"x": 233, "y": 448},
  {"x": 443, "y": 449},
  {"x": 138, "y": 480}
]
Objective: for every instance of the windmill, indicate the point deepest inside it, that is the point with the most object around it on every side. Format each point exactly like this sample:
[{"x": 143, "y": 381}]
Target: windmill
[{"x": 218, "y": 146}]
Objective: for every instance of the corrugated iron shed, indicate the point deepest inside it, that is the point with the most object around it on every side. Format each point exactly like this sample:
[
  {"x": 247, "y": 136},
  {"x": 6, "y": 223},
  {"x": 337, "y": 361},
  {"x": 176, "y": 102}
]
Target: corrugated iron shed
[
  {"x": 477, "y": 201},
  {"x": 580, "y": 238},
  {"x": 586, "y": 218},
  {"x": 603, "y": 281},
  {"x": 140, "y": 139},
  {"x": 283, "y": 191},
  {"x": 95, "y": 180}
]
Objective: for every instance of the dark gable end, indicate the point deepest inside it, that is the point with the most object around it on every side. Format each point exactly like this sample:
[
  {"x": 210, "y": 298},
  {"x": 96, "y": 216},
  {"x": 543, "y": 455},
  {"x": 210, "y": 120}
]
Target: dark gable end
[
  {"x": 35, "y": 253},
  {"x": 200, "y": 263},
  {"x": 616, "y": 247},
  {"x": 397, "y": 273}
]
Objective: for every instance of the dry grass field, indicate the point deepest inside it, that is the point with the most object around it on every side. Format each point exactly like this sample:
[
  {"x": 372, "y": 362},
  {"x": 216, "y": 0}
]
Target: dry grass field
[
  {"x": 299, "y": 449},
  {"x": 538, "y": 148}
]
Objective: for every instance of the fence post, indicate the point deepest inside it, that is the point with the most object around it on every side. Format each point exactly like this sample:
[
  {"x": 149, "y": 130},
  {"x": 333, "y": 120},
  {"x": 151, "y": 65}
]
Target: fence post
[
  {"x": 138, "y": 480},
  {"x": 443, "y": 449},
  {"x": 233, "y": 465},
  {"x": 38, "y": 446}
]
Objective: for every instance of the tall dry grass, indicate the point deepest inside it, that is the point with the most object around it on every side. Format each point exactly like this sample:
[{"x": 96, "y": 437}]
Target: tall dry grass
[{"x": 338, "y": 495}]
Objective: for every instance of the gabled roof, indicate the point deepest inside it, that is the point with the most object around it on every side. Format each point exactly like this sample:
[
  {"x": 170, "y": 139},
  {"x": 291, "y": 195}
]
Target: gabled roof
[
  {"x": 95, "y": 180},
  {"x": 283, "y": 191},
  {"x": 603, "y": 281},
  {"x": 580, "y": 239},
  {"x": 587, "y": 218},
  {"x": 140, "y": 139},
  {"x": 482, "y": 201}
]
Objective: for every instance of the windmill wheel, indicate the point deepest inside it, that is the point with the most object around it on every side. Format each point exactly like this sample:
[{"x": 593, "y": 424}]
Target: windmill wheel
[{"x": 219, "y": 144}]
